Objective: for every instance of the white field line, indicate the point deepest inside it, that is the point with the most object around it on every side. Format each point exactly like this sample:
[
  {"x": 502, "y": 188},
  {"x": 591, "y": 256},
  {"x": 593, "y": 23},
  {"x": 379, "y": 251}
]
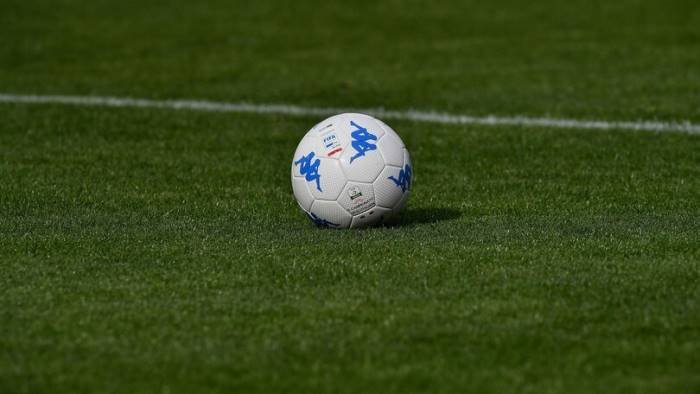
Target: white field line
[{"x": 413, "y": 115}]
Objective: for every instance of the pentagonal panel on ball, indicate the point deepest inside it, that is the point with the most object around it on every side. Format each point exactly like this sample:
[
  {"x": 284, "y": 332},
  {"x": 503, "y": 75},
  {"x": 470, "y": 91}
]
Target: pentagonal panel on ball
[
  {"x": 404, "y": 181},
  {"x": 324, "y": 177},
  {"x": 357, "y": 197},
  {"x": 389, "y": 131},
  {"x": 362, "y": 169},
  {"x": 331, "y": 182},
  {"x": 329, "y": 214},
  {"x": 387, "y": 187},
  {"x": 391, "y": 148},
  {"x": 302, "y": 193}
]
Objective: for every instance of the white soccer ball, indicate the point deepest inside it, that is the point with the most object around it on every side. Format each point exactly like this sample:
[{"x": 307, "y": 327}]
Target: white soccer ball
[{"x": 351, "y": 170}]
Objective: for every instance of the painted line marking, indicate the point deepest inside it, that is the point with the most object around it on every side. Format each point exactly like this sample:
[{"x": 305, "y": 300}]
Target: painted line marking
[{"x": 412, "y": 115}]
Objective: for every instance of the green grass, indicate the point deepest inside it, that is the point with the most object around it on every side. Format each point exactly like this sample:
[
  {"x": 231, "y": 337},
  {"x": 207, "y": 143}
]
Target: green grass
[{"x": 162, "y": 251}]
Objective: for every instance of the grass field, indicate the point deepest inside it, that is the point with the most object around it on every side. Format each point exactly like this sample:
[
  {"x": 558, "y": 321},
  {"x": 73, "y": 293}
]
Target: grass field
[{"x": 147, "y": 250}]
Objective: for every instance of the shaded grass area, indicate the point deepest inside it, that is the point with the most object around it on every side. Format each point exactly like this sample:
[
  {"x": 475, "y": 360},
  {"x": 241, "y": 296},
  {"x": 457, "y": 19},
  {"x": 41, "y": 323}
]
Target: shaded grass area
[{"x": 163, "y": 251}]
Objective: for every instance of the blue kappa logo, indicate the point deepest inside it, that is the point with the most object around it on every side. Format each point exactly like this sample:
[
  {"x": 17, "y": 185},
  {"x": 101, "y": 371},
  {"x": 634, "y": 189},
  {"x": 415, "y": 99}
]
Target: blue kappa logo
[
  {"x": 361, "y": 141},
  {"x": 309, "y": 169},
  {"x": 404, "y": 181},
  {"x": 320, "y": 222}
]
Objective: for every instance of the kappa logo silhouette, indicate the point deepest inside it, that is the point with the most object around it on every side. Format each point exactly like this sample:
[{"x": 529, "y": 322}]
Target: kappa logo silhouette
[
  {"x": 404, "y": 180},
  {"x": 309, "y": 169},
  {"x": 361, "y": 141}
]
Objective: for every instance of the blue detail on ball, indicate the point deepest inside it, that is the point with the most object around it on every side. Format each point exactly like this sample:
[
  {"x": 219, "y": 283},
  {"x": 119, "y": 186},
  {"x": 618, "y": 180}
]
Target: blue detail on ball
[
  {"x": 320, "y": 222},
  {"x": 361, "y": 141},
  {"x": 404, "y": 180},
  {"x": 309, "y": 169}
]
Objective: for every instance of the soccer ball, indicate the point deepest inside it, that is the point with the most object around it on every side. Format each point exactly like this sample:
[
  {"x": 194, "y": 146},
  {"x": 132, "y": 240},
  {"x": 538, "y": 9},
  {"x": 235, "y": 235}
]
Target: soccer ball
[{"x": 351, "y": 170}]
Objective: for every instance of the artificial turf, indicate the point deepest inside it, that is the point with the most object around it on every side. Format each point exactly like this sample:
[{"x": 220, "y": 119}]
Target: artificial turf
[{"x": 147, "y": 250}]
